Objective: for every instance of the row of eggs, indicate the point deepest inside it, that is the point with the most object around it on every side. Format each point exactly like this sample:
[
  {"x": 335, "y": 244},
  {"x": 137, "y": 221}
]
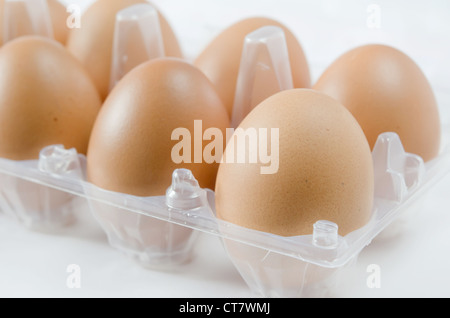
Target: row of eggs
[{"x": 57, "y": 92}]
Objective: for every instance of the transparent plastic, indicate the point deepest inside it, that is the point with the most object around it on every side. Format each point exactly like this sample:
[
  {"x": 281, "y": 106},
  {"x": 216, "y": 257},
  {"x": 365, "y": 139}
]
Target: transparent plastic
[
  {"x": 26, "y": 17},
  {"x": 264, "y": 70},
  {"x": 36, "y": 205},
  {"x": 155, "y": 242},
  {"x": 160, "y": 232},
  {"x": 137, "y": 38}
]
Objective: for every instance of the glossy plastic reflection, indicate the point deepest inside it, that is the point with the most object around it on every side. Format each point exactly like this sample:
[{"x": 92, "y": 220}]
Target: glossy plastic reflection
[
  {"x": 152, "y": 241},
  {"x": 34, "y": 203},
  {"x": 26, "y": 17},
  {"x": 264, "y": 70},
  {"x": 137, "y": 38}
]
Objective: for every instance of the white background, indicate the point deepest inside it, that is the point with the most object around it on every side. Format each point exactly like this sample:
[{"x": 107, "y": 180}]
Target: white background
[{"x": 414, "y": 257}]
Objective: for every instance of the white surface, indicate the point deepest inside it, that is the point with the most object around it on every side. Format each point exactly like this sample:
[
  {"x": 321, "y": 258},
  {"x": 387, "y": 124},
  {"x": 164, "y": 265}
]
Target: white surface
[
  {"x": 414, "y": 261},
  {"x": 35, "y": 264}
]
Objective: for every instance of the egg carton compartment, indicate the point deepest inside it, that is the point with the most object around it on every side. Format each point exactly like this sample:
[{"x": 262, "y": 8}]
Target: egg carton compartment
[
  {"x": 26, "y": 194},
  {"x": 159, "y": 232}
]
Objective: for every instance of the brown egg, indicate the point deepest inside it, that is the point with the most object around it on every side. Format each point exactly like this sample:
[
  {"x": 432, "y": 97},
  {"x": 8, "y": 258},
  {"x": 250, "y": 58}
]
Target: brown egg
[
  {"x": 58, "y": 17},
  {"x": 386, "y": 91},
  {"x": 221, "y": 58},
  {"x": 132, "y": 142},
  {"x": 320, "y": 167},
  {"x": 132, "y": 149},
  {"x": 92, "y": 43},
  {"x": 46, "y": 98}
]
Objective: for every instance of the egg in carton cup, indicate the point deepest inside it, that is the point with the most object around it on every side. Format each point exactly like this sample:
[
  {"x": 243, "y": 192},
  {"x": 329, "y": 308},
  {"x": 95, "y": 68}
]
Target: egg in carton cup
[
  {"x": 314, "y": 265},
  {"x": 37, "y": 106},
  {"x": 159, "y": 231}
]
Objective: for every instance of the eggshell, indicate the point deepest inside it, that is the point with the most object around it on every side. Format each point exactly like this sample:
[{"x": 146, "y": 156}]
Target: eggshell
[
  {"x": 131, "y": 145},
  {"x": 92, "y": 43},
  {"x": 46, "y": 98},
  {"x": 325, "y": 169},
  {"x": 386, "y": 91},
  {"x": 221, "y": 58},
  {"x": 58, "y": 17}
]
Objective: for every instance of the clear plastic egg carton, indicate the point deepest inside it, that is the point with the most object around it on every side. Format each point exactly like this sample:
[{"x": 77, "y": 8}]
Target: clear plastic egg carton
[{"x": 160, "y": 232}]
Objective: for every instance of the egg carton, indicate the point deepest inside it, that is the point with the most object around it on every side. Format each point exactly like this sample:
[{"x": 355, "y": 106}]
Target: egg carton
[{"x": 160, "y": 232}]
